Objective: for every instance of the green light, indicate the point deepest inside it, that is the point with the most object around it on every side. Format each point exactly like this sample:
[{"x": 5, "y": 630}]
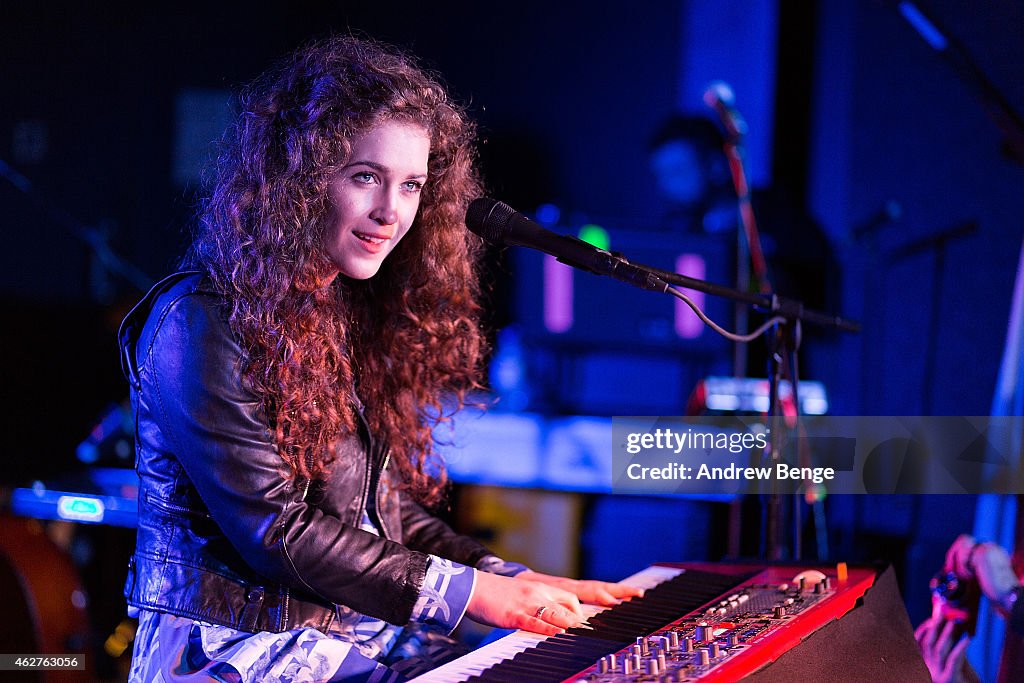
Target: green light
[{"x": 595, "y": 235}]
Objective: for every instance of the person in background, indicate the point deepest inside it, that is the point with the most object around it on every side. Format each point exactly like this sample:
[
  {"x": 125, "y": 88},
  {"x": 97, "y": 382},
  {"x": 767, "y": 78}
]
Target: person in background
[
  {"x": 287, "y": 384},
  {"x": 692, "y": 177},
  {"x": 988, "y": 568}
]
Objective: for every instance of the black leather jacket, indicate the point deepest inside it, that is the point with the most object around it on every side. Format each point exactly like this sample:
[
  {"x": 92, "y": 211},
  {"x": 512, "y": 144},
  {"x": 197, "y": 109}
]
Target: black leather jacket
[{"x": 223, "y": 536}]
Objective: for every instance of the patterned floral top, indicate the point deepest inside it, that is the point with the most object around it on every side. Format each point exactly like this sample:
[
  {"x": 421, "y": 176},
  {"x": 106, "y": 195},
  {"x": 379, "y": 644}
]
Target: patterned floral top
[{"x": 357, "y": 648}]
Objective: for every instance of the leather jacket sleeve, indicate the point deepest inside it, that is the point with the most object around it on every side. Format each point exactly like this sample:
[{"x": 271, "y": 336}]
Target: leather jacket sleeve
[
  {"x": 188, "y": 365},
  {"x": 425, "y": 532}
]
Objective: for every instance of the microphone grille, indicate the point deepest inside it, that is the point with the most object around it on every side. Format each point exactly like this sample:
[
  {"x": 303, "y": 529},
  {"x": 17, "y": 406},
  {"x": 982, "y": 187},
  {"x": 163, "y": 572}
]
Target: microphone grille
[{"x": 489, "y": 218}]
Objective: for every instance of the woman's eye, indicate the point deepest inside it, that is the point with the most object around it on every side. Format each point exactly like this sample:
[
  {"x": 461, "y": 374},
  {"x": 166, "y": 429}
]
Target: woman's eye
[
  {"x": 413, "y": 185},
  {"x": 363, "y": 177}
]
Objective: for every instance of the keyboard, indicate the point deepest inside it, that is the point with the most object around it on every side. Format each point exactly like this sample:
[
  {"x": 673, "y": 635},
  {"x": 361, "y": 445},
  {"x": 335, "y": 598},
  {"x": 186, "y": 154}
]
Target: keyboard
[{"x": 704, "y": 622}]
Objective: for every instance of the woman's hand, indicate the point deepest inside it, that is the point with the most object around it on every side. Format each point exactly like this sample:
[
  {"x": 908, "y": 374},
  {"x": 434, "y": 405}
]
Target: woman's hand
[
  {"x": 590, "y": 592},
  {"x": 944, "y": 660},
  {"x": 514, "y": 602}
]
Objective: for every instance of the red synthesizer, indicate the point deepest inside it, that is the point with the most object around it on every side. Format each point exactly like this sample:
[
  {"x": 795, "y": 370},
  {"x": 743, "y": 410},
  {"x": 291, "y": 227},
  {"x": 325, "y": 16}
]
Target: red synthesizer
[{"x": 696, "y": 622}]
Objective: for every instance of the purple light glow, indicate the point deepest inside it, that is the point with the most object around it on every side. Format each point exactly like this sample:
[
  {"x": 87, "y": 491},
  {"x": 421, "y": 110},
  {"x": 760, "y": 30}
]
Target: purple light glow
[
  {"x": 557, "y": 295},
  {"x": 688, "y": 325}
]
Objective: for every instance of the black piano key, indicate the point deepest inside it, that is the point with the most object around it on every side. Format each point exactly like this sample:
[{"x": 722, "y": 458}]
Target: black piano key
[
  {"x": 584, "y": 638},
  {"x": 572, "y": 646},
  {"x": 560, "y": 654},
  {"x": 588, "y": 632},
  {"x": 532, "y": 670},
  {"x": 500, "y": 676},
  {"x": 634, "y": 621},
  {"x": 621, "y": 635},
  {"x": 541, "y": 661}
]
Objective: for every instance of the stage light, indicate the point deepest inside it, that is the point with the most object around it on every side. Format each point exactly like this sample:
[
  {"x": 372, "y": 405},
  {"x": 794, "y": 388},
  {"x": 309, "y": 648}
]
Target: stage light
[{"x": 594, "y": 235}]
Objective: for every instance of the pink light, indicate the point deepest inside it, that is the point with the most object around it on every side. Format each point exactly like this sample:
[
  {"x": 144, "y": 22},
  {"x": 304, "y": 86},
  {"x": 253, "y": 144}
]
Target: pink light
[
  {"x": 688, "y": 325},
  {"x": 557, "y": 295}
]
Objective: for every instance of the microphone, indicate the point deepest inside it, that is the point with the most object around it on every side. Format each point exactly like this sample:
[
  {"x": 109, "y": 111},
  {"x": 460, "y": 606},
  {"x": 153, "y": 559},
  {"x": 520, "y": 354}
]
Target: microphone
[
  {"x": 499, "y": 223},
  {"x": 720, "y": 97}
]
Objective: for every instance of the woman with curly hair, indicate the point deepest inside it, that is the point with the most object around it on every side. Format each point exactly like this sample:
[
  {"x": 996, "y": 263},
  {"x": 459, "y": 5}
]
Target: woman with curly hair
[{"x": 287, "y": 383}]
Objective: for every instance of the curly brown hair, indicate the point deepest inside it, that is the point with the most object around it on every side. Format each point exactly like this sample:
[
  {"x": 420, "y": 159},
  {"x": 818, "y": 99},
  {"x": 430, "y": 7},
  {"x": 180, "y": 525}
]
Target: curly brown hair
[{"x": 409, "y": 338}]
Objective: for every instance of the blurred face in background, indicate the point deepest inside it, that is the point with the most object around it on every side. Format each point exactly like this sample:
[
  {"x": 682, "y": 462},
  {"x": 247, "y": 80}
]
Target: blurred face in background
[{"x": 680, "y": 173}]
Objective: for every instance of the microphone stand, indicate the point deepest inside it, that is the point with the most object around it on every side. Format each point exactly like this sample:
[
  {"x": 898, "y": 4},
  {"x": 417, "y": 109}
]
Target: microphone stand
[
  {"x": 94, "y": 238},
  {"x": 748, "y": 244},
  {"x": 956, "y": 55},
  {"x": 787, "y": 315},
  {"x": 785, "y": 341},
  {"x": 719, "y": 97},
  {"x": 791, "y": 309},
  {"x": 496, "y": 221},
  {"x": 937, "y": 243}
]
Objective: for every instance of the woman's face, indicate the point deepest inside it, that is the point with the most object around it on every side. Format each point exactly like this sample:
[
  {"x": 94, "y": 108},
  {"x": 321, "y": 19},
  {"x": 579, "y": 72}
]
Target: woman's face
[{"x": 374, "y": 198}]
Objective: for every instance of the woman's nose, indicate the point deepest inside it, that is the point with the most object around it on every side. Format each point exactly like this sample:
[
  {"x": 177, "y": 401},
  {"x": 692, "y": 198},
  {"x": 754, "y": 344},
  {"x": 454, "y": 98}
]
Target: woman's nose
[{"x": 386, "y": 211}]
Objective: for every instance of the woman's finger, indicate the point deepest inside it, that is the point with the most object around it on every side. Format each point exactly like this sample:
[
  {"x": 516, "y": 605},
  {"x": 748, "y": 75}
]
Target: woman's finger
[
  {"x": 605, "y": 598},
  {"x": 958, "y": 554},
  {"x": 954, "y": 664},
  {"x": 945, "y": 640},
  {"x": 561, "y": 617},
  {"x": 921, "y": 630},
  {"x": 540, "y": 626},
  {"x": 550, "y": 620}
]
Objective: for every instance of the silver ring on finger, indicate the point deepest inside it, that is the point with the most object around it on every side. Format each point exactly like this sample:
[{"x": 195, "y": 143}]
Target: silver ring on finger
[{"x": 540, "y": 611}]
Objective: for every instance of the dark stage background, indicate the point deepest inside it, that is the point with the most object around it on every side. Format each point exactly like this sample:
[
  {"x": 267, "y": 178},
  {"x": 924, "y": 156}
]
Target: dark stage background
[{"x": 108, "y": 110}]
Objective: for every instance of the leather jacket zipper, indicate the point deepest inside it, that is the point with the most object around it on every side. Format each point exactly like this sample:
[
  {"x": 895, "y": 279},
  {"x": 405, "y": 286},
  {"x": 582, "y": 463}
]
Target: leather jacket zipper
[
  {"x": 371, "y": 482},
  {"x": 366, "y": 488},
  {"x": 368, "y": 474},
  {"x": 376, "y": 494},
  {"x": 173, "y": 509}
]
